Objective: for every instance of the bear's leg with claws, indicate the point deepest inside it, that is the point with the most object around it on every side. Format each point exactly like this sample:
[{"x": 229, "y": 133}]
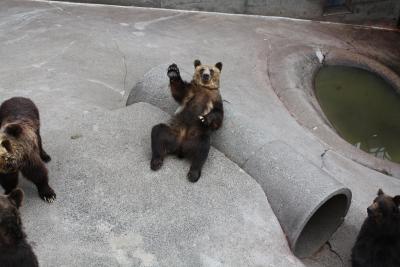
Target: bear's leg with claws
[
  {"x": 163, "y": 142},
  {"x": 36, "y": 172},
  {"x": 198, "y": 151},
  {"x": 9, "y": 181}
]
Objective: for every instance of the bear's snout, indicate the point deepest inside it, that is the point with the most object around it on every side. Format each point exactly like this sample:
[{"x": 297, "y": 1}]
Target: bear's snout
[{"x": 206, "y": 77}]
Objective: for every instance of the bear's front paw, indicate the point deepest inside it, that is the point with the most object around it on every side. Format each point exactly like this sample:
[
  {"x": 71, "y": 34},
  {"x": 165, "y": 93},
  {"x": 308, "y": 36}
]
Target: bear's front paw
[
  {"x": 156, "y": 164},
  {"x": 47, "y": 194},
  {"x": 194, "y": 175},
  {"x": 173, "y": 72}
]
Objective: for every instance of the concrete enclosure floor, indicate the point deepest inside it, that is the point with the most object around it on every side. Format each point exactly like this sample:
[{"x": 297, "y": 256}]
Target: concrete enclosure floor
[{"x": 79, "y": 62}]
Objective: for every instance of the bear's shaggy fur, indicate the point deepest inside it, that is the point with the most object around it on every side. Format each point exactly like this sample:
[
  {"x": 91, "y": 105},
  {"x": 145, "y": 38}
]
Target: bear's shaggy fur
[
  {"x": 200, "y": 113},
  {"x": 21, "y": 147},
  {"x": 378, "y": 243},
  {"x": 14, "y": 249}
]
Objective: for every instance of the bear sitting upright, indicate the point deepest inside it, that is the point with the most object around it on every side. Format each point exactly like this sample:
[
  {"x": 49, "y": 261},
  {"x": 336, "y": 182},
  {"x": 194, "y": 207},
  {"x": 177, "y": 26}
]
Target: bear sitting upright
[
  {"x": 200, "y": 113},
  {"x": 21, "y": 147},
  {"x": 14, "y": 249},
  {"x": 378, "y": 243}
]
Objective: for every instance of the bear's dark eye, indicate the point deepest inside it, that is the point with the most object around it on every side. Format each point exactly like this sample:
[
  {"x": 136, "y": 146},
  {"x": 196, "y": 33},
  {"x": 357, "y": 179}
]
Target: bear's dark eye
[
  {"x": 211, "y": 72},
  {"x": 202, "y": 70}
]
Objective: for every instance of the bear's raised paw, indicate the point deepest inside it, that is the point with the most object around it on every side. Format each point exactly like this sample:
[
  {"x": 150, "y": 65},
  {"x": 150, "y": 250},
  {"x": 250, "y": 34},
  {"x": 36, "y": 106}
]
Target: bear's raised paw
[{"x": 173, "y": 71}]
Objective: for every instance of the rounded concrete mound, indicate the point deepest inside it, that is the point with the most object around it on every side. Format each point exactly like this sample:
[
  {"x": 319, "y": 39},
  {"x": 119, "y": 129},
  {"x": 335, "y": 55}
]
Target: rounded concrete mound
[{"x": 309, "y": 203}]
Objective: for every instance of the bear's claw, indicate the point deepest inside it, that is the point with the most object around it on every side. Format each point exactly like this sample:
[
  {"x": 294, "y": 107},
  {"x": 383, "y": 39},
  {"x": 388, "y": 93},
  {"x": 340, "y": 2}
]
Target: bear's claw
[
  {"x": 48, "y": 195},
  {"x": 173, "y": 71},
  {"x": 49, "y": 200}
]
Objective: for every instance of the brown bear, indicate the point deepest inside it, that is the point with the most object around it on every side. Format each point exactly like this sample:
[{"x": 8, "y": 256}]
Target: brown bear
[
  {"x": 378, "y": 243},
  {"x": 200, "y": 113},
  {"x": 15, "y": 251},
  {"x": 21, "y": 147}
]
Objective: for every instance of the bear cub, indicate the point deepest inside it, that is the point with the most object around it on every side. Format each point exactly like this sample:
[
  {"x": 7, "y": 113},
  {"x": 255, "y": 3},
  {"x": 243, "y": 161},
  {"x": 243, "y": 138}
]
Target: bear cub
[
  {"x": 14, "y": 249},
  {"x": 378, "y": 243},
  {"x": 200, "y": 113},
  {"x": 21, "y": 147}
]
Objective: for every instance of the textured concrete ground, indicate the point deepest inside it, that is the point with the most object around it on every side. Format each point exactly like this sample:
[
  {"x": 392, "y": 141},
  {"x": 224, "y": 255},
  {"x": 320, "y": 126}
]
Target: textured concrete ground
[
  {"x": 79, "y": 62},
  {"x": 113, "y": 211}
]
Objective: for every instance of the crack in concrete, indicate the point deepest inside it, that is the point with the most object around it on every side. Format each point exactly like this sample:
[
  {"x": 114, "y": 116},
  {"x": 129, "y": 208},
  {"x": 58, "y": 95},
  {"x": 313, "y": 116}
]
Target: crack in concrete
[
  {"x": 334, "y": 252},
  {"x": 323, "y": 158},
  {"x": 124, "y": 63},
  {"x": 242, "y": 166},
  {"x": 106, "y": 85},
  {"x": 269, "y": 50},
  {"x": 141, "y": 25}
]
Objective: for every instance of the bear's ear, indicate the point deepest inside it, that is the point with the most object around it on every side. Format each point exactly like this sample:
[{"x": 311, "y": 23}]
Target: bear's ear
[
  {"x": 7, "y": 145},
  {"x": 219, "y": 66},
  {"x": 380, "y": 192},
  {"x": 197, "y": 63},
  {"x": 396, "y": 200},
  {"x": 13, "y": 130},
  {"x": 16, "y": 196}
]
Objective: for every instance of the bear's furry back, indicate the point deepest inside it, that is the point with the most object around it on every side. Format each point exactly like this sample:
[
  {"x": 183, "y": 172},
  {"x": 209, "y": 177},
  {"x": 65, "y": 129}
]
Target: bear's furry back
[
  {"x": 14, "y": 249},
  {"x": 19, "y": 256},
  {"x": 378, "y": 245}
]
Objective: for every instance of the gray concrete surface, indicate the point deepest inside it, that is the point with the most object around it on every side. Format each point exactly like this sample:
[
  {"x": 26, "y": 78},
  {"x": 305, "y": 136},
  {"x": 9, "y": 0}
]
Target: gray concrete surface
[
  {"x": 112, "y": 210},
  {"x": 89, "y": 57},
  {"x": 384, "y": 12}
]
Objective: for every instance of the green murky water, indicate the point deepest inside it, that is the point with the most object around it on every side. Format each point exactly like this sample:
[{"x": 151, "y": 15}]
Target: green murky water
[{"x": 363, "y": 108}]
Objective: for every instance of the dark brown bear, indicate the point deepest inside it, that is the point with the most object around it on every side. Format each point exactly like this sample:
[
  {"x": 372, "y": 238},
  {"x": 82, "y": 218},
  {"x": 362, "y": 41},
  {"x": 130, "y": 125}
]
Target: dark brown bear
[
  {"x": 378, "y": 243},
  {"x": 14, "y": 249},
  {"x": 200, "y": 113},
  {"x": 21, "y": 147}
]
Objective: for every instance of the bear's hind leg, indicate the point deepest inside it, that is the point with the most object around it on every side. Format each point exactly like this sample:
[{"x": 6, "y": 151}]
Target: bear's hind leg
[
  {"x": 197, "y": 151},
  {"x": 43, "y": 155},
  {"x": 36, "y": 172},
  {"x": 163, "y": 142},
  {"x": 9, "y": 181}
]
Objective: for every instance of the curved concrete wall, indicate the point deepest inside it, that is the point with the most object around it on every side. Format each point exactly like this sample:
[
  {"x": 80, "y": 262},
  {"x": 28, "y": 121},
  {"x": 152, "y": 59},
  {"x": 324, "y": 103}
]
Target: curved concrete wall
[
  {"x": 362, "y": 11},
  {"x": 309, "y": 203},
  {"x": 292, "y": 77}
]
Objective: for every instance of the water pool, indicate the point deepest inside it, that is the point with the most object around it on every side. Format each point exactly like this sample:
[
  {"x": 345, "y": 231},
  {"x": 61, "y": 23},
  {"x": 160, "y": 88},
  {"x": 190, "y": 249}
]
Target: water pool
[{"x": 362, "y": 107}]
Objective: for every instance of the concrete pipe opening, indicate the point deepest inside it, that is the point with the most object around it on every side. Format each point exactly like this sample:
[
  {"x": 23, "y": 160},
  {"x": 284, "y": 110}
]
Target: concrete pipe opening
[{"x": 321, "y": 225}]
